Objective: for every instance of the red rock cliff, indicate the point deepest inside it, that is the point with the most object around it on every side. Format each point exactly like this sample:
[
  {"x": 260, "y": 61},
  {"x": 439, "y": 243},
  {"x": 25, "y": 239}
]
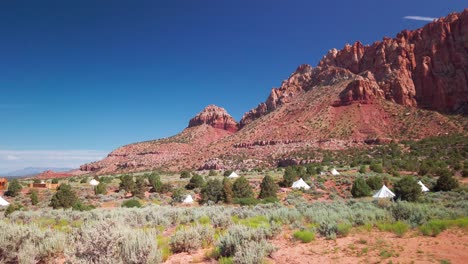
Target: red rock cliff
[
  {"x": 425, "y": 68},
  {"x": 216, "y": 117}
]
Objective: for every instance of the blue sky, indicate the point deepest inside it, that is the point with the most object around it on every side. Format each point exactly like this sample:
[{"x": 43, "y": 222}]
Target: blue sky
[{"x": 81, "y": 78}]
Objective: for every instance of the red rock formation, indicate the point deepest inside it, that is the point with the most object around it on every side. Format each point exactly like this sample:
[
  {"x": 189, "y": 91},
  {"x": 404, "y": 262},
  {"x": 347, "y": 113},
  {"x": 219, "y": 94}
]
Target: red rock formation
[
  {"x": 216, "y": 117},
  {"x": 52, "y": 174},
  {"x": 425, "y": 68}
]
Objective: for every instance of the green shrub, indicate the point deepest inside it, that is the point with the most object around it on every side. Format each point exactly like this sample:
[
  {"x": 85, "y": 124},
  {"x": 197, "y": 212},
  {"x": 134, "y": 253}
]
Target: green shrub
[
  {"x": 375, "y": 167},
  {"x": 227, "y": 190},
  {"x": 445, "y": 183},
  {"x": 131, "y": 203},
  {"x": 11, "y": 208},
  {"x": 155, "y": 182},
  {"x": 178, "y": 195},
  {"x": 399, "y": 228},
  {"x": 246, "y": 201},
  {"x": 139, "y": 190},
  {"x": 55, "y": 181},
  {"x": 212, "y": 173},
  {"x": 101, "y": 188},
  {"x": 213, "y": 191},
  {"x": 34, "y": 198},
  {"x": 343, "y": 229},
  {"x": 64, "y": 197},
  {"x": 362, "y": 169},
  {"x": 241, "y": 188},
  {"x": 126, "y": 183},
  {"x": 227, "y": 173},
  {"x": 407, "y": 189},
  {"x": 14, "y": 188},
  {"x": 185, "y": 174},
  {"x": 304, "y": 236},
  {"x": 196, "y": 181},
  {"x": 79, "y": 206},
  {"x": 84, "y": 180},
  {"x": 465, "y": 173},
  {"x": 289, "y": 176},
  {"x": 268, "y": 188},
  {"x": 360, "y": 188},
  {"x": 375, "y": 182}
]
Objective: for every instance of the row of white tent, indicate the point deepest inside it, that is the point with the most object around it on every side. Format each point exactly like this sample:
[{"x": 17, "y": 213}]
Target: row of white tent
[{"x": 384, "y": 192}]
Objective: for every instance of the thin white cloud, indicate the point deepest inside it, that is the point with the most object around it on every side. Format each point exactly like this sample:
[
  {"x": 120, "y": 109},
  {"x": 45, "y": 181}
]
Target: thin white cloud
[
  {"x": 11, "y": 160},
  {"x": 420, "y": 18},
  {"x": 12, "y": 157}
]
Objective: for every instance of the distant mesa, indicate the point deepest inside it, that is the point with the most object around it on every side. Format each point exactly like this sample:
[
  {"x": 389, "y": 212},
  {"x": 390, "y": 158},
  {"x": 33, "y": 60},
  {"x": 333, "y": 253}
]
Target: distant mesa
[{"x": 216, "y": 117}]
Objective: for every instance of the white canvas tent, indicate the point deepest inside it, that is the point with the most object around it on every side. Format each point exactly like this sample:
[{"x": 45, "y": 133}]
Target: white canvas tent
[
  {"x": 188, "y": 199},
  {"x": 384, "y": 192},
  {"x": 300, "y": 184},
  {"x": 93, "y": 182},
  {"x": 423, "y": 187},
  {"x": 334, "y": 172},
  {"x": 233, "y": 175},
  {"x": 3, "y": 202}
]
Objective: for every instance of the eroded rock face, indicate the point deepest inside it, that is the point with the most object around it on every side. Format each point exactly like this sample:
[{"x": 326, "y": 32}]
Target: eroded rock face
[
  {"x": 425, "y": 68},
  {"x": 216, "y": 117}
]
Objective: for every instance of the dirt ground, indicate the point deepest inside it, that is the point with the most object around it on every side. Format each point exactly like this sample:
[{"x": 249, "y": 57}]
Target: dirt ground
[{"x": 450, "y": 246}]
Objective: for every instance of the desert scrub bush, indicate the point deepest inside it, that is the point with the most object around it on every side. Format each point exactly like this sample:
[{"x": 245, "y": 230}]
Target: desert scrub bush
[
  {"x": 304, "y": 236},
  {"x": 343, "y": 229},
  {"x": 131, "y": 203},
  {"x": 253, "y": 252},
  {"x": 238, "y": 238},
  {"x": 399, "y": 227},
  {"x": 28, "y": 243},
  {"x": 108, "y": 242},
  {"x": 191, "y": 238},
  {"x": 436, "y": 226},
  {"x": 140, "y": 247},
  {"x": 222, "y": 221}
]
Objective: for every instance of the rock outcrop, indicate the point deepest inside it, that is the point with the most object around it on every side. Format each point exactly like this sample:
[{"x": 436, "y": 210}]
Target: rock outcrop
[
  {"x": 216, "y": 117},
  {"x": 425, "y": 68}
]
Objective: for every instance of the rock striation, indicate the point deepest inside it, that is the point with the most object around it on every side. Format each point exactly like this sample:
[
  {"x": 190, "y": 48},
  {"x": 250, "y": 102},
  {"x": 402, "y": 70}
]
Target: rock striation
[
  {"x": 426, "y": 68},
  {"x": 216, "y": 117}
]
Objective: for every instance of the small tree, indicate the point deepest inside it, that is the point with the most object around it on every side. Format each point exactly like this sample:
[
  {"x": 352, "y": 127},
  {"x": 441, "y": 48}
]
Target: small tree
[
  {"x": 374, "y": 182},
  {"x": 360, "y": 188},
  {"x": 227, "y": 190},
  {"x": 212, "y": 173},
  {"x": 289, "y": 177},
  {"x": 268, "y": 188},
  {"x": 196, "y": 181},
  {"x": 139, "y": 190},
  {"x": 14, "y": 188},
  {"x": 155, "y": 182},
  {"x": 101, "y": 188},
  {"x": 213, "y": 191},
  {"x": 178, "y": 195},
  {"x": 127, "y": 183},
  {"x": 64, "y": 197},
  {"x": 445, "y": 183},
  {"x": 407, "y": 189},
  {"x": 54, "y": 181},
  {"x": 242, "y": 189},
  {"x": 227, "y": 173},
  {"x": 34, "y": 198}
]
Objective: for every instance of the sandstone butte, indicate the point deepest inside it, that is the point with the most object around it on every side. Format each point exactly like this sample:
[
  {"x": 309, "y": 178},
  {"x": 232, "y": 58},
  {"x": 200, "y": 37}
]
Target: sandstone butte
[{"x": 408, "y": 87}]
